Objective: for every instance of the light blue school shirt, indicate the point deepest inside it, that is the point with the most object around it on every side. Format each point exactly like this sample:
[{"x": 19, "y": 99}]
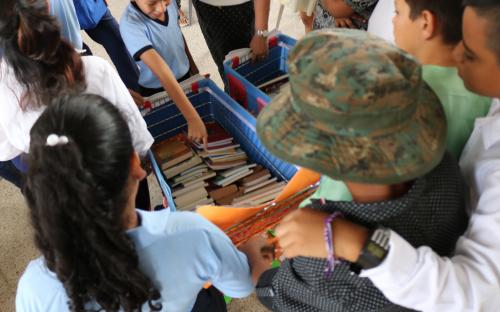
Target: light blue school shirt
[
  {"x": 64, "y": 11},
  {"x": 141, "y": 33},
  {"x": 178, "y": 251}
]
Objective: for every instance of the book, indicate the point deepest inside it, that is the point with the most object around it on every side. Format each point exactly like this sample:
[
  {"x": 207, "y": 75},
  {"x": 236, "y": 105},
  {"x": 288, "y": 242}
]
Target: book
[
  {"x": 192, "y": 174},
  {"x": 247, "y": 189},
  {"x": 172, "y": 151},
  {"x": 223, "y": 192},
  {"x": 238, "y": 155},
  {"x": 170, "y": 146},
  {"x": 256, "y": 181},
  {"x": 226, "y": 164},
  {"x": 181, "y": 190},
  {"x": 228, "y": 200},
  {"x": 225, "y": 152},
  {"x": 230, "y": 147},
  {"x": 259, "y": 172},
  {"x": 280, "y": 80},
  {"x": 185, "y": 165},
  {"x": 237, "y": 170},
  {"x": 192, "y": 206},
  {"x": 255, "y": 195},
  {"x": 224, "y": 181},
  {"x": 204, "y": 177},
  {"x": 191, "y": 197},
  {"x": 176, "y": 160}
]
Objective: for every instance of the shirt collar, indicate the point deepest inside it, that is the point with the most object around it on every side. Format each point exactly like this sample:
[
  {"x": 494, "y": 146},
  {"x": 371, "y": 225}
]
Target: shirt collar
[
  {"x": 152, "y": 227},
  {"x": 368, "y": 213},
  {"x": 491, "y": 125}
]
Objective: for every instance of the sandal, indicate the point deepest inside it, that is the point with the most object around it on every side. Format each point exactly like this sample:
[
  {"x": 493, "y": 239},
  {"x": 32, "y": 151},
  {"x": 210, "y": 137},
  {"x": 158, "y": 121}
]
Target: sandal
[{"x": 183, "y": 20}]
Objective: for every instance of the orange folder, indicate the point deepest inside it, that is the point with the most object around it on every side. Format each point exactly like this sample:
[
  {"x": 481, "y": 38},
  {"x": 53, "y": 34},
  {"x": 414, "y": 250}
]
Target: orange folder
[{"x": 227, "y": 216}]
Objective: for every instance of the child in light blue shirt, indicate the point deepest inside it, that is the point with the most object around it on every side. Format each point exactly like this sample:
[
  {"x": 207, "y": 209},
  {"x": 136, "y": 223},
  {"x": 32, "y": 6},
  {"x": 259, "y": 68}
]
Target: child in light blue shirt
[
  {"x": 153, "y": 37},
  {"x": 98, "y": 251}
]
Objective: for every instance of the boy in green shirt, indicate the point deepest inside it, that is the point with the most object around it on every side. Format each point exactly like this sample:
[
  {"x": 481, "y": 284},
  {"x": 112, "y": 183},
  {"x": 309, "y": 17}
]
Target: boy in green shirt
[{"x": 429, "y": 30}]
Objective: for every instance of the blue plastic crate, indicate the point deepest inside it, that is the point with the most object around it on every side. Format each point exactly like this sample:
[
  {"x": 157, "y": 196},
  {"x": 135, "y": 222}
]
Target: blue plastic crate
[
  {"x": 213, "y": 104},
  {"x": 242, "y": 76}
]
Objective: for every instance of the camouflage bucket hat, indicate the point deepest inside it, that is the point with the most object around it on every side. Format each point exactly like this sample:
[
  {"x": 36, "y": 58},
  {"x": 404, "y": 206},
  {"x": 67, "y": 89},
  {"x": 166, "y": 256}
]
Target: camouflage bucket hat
[{"x": 356, "y": 110}]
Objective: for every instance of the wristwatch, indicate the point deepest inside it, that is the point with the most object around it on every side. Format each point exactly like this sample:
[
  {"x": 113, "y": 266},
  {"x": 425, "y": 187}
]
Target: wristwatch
[
  {"x": 261, "y": 32},
  {"x": 375, "y": 249}
]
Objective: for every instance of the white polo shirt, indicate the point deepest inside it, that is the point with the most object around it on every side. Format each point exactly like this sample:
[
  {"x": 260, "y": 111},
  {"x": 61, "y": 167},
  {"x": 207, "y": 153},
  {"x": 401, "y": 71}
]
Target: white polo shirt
[
  {"x": 469, "y": 281},
  {"x": 101, "y": 79}
]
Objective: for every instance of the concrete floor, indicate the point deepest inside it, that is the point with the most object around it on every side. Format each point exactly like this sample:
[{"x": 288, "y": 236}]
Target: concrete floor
[{"x": 16, "y": 244}]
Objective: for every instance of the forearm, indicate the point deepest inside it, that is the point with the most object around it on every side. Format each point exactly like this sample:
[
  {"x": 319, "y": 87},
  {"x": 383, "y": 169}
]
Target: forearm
[
  {"x": 261, "y": 9},
  {"x": 469, "y": 281},
  {"x": 180, "y": 99},
  {"x": 338, "y": 8},
  {"x": 168, "y": 81}
]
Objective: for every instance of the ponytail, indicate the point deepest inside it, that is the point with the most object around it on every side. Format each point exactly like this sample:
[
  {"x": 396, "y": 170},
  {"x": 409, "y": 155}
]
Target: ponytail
[
  {"x": 77, "y": 192},
  {"x": 45, "y": 64}
]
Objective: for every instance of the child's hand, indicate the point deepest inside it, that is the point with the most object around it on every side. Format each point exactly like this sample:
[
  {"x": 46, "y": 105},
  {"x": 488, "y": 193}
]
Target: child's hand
[
  {"x": 259, "y": 253},
  {"x": 197, "y": 131},
  {"x": 344, "y": 22},
  {"x": 301, "y": 234}
]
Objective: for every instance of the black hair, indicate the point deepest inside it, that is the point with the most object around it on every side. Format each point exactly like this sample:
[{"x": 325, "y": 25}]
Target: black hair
[
  {"x": 77, "y": 195},
  {"x": 489, "y": 9},
  {"x": 46, "y": 65},
  {"x": 448, "y": 14}
]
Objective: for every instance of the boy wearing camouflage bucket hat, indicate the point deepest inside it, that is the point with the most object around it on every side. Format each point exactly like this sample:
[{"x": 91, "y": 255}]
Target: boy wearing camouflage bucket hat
[{"x": 358, "y": 111}]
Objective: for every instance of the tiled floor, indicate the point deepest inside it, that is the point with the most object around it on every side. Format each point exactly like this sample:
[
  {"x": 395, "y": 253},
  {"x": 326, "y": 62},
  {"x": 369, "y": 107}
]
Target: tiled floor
[{"x": 16, "y": 246}]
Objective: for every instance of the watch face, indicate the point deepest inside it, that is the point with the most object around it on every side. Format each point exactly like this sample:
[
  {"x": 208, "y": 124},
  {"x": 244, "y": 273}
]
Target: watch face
[{"x": 376, "y": 250}]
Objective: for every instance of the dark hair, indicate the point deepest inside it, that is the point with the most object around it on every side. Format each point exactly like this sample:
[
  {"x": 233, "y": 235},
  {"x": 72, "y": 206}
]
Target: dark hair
[
  {"x": 489, "y": 9},
  {"x": 45, "y": 64},
  {"x": 448, "y": 14},
  {"x": 77, "y": 194}
]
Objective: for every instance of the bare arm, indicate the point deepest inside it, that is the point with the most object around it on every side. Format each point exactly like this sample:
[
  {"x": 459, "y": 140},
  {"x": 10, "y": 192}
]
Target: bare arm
[{"x": 196, "y": 128}]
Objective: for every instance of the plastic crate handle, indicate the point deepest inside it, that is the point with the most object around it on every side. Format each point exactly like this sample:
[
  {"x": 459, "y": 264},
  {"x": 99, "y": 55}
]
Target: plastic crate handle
[{"x": 237, "y": 90}]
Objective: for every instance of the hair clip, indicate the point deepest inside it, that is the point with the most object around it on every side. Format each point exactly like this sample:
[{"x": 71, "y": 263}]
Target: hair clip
[{"x": 54, "y": 139}]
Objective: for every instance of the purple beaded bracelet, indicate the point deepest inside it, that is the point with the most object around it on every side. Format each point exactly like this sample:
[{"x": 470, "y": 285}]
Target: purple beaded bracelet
[{"x": 328, "y": 234}]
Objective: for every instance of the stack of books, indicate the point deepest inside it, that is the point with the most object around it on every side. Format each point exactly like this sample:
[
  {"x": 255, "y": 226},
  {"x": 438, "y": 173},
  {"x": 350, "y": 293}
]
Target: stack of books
[
  {"x": 187, "y": 174},
  {"x": 220, "y": 173}
]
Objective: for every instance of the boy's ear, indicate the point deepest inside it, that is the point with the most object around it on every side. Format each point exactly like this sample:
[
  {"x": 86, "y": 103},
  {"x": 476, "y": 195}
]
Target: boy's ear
[
  {"x": 429, "y": 26},
  {"x": 136, "y": 170}
]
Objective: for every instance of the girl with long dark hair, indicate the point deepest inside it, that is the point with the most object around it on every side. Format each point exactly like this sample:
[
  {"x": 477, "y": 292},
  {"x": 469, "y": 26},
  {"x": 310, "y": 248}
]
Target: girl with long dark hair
[
  {"x": 98, "y": 251},
  {"x": 37, "y": 65}
]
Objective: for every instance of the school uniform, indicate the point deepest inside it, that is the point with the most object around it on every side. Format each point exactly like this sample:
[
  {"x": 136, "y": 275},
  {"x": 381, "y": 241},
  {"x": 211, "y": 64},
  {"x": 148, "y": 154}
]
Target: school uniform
[
  {"x": 178, "y": 251},
  {"x": 432, "y": 213},
  {"x": 226, "y": 25},
  {"x": 469, "y": 281},
  {"x": 141, "y": 33},
  {"x": 101, "y": 79},
  {"x": 65, "y": 12},
  {"x": 98, "y": 22}
]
